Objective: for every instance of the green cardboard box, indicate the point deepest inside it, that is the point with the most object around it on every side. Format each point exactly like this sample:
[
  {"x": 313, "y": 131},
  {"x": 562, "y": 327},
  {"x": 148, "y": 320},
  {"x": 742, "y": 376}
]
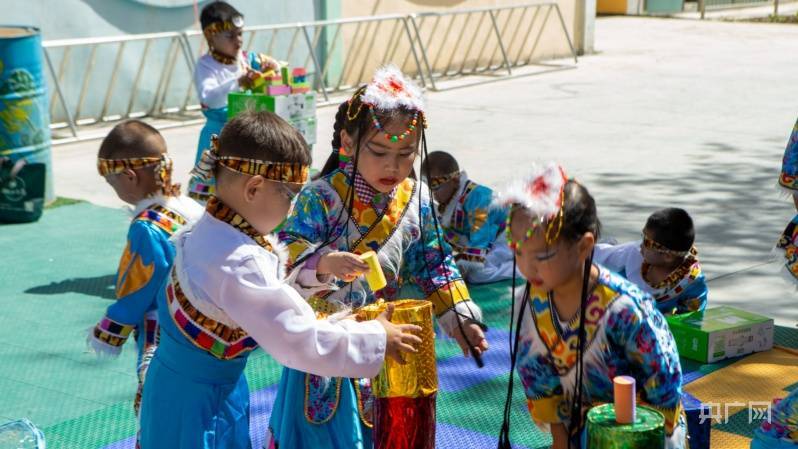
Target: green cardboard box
[
  {"x": 289, "y": 107},
  {"x": 719, "y": 333}
]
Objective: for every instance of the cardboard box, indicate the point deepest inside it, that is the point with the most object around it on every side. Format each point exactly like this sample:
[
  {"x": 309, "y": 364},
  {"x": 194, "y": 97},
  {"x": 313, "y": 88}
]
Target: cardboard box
[
  {"x": 307, "y": 127},
  {"x": 288, "y": 107},
  {"x": 719, "y": 333}
]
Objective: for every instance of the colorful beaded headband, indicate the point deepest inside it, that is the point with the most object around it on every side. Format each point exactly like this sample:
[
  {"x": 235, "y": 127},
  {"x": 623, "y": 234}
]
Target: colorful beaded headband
[
  {"x": 542, "y": 194},
  {"x": 435, "y": 182},
  {"x": 389, "y": 90},
  {"x": 662, "y": 249},
  {"x": 161, "y": 165},
  {"x": 285, "y": 172}
]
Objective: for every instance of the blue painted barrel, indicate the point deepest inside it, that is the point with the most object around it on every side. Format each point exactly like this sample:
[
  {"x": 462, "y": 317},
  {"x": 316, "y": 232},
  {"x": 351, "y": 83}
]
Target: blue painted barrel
[{"x": 24, "y": 106}]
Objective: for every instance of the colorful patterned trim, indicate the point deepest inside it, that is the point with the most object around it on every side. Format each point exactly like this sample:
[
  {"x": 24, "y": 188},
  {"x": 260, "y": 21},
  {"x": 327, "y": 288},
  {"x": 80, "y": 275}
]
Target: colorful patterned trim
[
  {"x": 435, "y": 182},
  {"x": 113, "y": 166},
  {"x": 224, "y": 213},
  {"x": 463, "y": 252},
  {"x": 162, "y": 217},
  {"x": 689, "y": 266},
  {"x": 365, "y": 401},
  {"x": 375, "y": 227},
  {"x": 323, "y": 307},
  {"x": 217, "y": 339},
  {"x": 151, "y": 333},
  {"x": 786, "y": 244},
  {"x": 681, "y": 284},
  {"x": 459, "y": 219},
  {"x": 788, "y": 181},
  {"x": 319, "y": 406},
  {"x": 162, "y": 166},
  {"x": 111, "y": 332},
  {"x": 653, "y": 245},
  {"x": 201, "y": 191},
  {"x": 287, "y": 172},
  {"x": 227, "y": 25},
  {"x": 448, "y": 296},
  {"x": 561, "y": 343},
  {"x": 470, "y": 257}
]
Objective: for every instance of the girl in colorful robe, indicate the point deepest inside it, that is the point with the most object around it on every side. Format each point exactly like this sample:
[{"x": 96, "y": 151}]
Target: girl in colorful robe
[
  {"x": 579, "y": 325},
  {"x": 365, "y": 200},
  {"x": 134, "y": 161},
  {"x": 225, "y": 296},
  {"x": 788, "y": 182},
  {"x": 664, "y": 264},
  {"x": 224, "y": 69},
  {"x": 781, "y": 431},
  {"x": 472, "y": 225}
]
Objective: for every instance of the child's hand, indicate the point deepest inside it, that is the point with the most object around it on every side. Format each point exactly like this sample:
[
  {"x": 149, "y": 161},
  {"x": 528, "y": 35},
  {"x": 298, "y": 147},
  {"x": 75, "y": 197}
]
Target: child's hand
[
  {"x": 245, "y": 80},
  {"x": 475, "y": 336},
  {"x": 399, "y": 337},
  {"x": 343, "y": 265}
]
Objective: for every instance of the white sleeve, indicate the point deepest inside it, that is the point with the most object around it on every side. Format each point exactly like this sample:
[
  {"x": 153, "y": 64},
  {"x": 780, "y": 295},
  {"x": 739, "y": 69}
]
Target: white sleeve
[
  {"x": 461, "y": 311},
  {"x": 210, "y": 91},
  {"x": 616, "y": 257},
  {"x": 285, "y": 326}
]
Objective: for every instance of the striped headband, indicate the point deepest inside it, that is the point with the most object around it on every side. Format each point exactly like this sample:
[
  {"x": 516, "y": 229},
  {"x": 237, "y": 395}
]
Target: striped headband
[
  {"x": 285, "y": 172},
  {"x": 436, "y": 182},
  {"x": 649, "y": 243},
  {"x": 218, "y": 27},
  {"x": 162, "y": 167}
]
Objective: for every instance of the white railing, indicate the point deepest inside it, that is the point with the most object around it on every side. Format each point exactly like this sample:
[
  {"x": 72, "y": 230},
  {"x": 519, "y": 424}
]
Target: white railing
[{"x": 104, "y": 79}]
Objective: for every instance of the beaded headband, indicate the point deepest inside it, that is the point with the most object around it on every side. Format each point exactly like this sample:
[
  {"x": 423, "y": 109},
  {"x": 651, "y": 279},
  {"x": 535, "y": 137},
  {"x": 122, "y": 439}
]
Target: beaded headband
[
  {"x": 652, "y": 245},
  {"x": 285, "y": 172},
  {"x": 162, "y": 167},
  {"x": 542, "y": 194},
  {"x": 435, "y": 182},
  {"x": 389, "y": 90}
]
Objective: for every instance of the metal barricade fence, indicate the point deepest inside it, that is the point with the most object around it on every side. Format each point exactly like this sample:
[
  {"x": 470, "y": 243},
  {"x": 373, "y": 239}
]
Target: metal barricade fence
[{"x": 104, "y": 79}]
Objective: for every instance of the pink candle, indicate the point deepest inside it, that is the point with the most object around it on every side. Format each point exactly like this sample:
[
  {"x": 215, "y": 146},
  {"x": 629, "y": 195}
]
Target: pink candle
[{"x": 624, "y": 389}]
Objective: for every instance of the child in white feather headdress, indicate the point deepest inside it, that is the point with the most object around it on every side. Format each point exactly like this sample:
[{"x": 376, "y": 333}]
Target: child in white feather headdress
[
  {"x": 579, "y": 325},
  {"x": 366, "y": 200}
]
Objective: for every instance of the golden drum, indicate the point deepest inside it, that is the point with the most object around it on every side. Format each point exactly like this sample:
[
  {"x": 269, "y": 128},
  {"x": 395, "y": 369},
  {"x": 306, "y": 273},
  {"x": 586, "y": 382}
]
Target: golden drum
[{"x": 418, "y": 377}]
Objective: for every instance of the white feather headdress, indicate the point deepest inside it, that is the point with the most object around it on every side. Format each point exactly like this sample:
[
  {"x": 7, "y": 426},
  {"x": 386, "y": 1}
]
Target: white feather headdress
[
  {"x": 390, "y": 89},
  {"x": 540, "y": 191}
]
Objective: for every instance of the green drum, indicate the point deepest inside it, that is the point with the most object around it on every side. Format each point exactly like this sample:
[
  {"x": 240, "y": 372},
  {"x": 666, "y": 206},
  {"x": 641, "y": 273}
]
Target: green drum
[
  {"x": 24, "y": 111},
  {"x": 603, "y": 432}
]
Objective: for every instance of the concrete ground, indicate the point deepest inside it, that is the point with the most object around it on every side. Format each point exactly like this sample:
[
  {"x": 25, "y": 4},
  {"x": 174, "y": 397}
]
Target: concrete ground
[{"x": 666, "y": 113}]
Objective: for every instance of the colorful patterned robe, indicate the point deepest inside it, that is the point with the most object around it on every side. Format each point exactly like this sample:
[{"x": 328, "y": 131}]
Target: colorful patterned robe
[
  {"x": 403, "y": 234},
  {"x": 626, "y": 335},
  {"x": 684, "y": 290},
  {"x": 788, "y": 180},
  {"x": 143, "y": 268},
  {"x": 475, "y": 230},
  {"x": 781, "y": 430}
]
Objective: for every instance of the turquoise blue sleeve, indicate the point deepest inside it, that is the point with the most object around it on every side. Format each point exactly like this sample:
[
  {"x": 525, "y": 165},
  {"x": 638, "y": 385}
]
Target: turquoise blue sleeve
[
  {"x": 694, "y": 297},
  {"x": 484, "y": 222},
  {"x": 142, "y": 271}
]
